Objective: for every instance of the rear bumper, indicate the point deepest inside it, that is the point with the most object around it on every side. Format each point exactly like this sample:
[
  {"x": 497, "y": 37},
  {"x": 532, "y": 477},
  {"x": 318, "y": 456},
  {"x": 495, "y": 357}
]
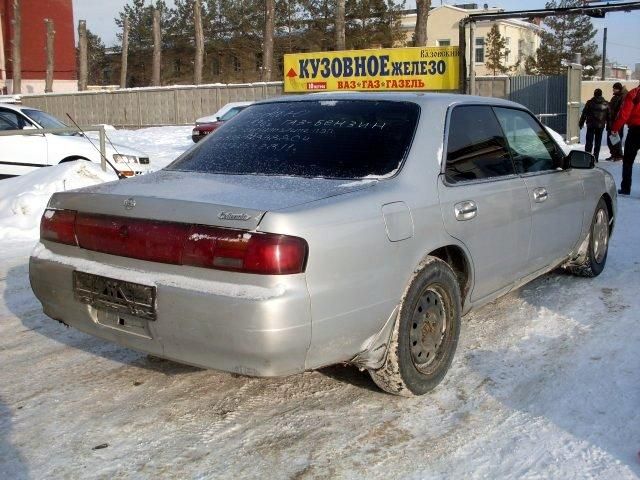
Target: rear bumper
[{"x": 262, "y": 329}]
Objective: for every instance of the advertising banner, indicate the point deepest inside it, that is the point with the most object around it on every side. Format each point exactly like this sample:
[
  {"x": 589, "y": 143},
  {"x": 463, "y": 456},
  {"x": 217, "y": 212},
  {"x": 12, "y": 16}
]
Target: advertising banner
[{"x": 386, "y": 69}]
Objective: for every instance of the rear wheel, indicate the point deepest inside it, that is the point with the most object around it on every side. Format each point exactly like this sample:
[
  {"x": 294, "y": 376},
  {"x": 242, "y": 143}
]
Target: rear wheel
[
  {"x": 425, "y": 336},
  {"x": 595, "y": 258}
]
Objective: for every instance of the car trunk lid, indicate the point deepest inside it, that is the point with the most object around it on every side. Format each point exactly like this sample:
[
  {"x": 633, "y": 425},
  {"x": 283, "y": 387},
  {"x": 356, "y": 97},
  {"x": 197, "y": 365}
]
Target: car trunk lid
[{"x": 234, "y": 201}]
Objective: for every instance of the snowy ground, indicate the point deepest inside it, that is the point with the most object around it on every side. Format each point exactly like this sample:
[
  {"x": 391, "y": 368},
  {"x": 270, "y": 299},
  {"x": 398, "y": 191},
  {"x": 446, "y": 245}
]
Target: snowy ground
[{"x": 545, "y": 384}]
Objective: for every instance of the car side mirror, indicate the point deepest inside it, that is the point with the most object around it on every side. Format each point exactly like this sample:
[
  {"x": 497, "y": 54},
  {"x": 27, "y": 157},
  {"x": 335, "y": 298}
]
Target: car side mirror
[
  {"x": 28, "y": 126},
  {"x": 581, "y": 160}
]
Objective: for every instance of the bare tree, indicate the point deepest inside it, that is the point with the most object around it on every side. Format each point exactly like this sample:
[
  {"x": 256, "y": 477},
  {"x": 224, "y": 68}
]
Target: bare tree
[
  {"x": 125, "y": 53},
  {"x": 51, "y": 34},
  {"x": 422, "y": 15},
  {"x": 340, "y": 25},
  {"x": 83, "y": 54},
  {"x": 155, "y": 77},
  {"x": 16, "y": 42},
  {"x": 267, "y": 39},
  {"x": 197, "y": 19}
]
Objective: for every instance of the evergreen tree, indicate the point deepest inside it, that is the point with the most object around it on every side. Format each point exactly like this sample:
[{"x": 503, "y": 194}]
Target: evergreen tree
[
  {"x": 496, "y": 50},
  {"x": 530, "y": 66},
  {"x": 140, "y": 15},
  {"x": 372, "y": 23},
  {"x": 97, "y": 58},
  {"x": 564, "y": 37}
]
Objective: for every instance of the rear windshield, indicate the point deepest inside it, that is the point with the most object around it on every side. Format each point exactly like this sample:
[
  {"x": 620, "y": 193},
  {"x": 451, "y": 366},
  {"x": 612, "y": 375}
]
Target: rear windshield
[{"x": 323, "y": 138}]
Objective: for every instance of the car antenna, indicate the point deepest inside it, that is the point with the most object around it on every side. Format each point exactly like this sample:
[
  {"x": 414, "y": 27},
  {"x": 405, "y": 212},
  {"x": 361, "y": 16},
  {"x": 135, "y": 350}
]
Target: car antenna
[{"x": 120, "y": 174}]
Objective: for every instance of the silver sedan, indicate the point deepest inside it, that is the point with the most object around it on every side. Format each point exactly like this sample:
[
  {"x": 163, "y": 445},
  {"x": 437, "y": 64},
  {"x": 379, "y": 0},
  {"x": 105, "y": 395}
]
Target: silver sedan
[{"x": 327, "y": 228}]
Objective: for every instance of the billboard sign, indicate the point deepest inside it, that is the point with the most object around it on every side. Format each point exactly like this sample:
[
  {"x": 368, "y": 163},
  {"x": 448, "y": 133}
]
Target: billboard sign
[{"x": 386, "y": 69}]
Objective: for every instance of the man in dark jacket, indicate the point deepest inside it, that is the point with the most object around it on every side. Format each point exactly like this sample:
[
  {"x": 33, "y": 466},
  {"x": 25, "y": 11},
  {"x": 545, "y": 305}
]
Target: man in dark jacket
[
  {"x": 615, "y": 104},
  {"x": 630, "y": 115},
  {"x": 597, "y": 116}
]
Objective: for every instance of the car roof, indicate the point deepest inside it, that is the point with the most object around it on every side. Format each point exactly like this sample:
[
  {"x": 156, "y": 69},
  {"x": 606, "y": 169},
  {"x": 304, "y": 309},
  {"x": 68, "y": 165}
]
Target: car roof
[
  {"x": 422, "y": 98},
  {"x": 13, "y": 106},
  {"x": 238, "y": 104}
]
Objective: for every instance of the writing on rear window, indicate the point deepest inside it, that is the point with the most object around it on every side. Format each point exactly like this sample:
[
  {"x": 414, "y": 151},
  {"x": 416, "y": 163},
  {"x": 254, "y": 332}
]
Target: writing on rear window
[{"x": 323, "y": 138}]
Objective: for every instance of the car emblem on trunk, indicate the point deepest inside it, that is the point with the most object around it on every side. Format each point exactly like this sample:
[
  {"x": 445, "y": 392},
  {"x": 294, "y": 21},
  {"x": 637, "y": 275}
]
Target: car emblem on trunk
[
  {"x": 234, "y": 216},
  {"x": 129, "y": 203}
]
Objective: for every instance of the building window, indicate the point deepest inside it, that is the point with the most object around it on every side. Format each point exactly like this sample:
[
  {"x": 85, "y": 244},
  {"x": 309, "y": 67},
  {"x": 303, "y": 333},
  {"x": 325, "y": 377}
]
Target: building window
[
  {"x": 444, "y": 42},
  {"x": 235, "y": 62},
  {"x": 215, "y": 65},
  {"x": 480, "y": 50},
  {"x": 507, "y": 50},
  {"x": 521, "y": 53}
]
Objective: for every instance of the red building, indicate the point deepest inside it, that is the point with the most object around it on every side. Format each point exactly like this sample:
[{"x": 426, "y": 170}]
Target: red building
[{"x": 33, "y": 55}]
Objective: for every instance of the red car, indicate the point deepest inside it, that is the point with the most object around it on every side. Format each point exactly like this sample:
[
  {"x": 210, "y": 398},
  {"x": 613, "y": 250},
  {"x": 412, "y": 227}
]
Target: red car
[{"x": 201, "y": 130}]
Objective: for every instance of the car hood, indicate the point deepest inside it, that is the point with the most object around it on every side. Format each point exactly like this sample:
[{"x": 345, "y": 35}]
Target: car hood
[
  {"x": 124, "y": 150},
  {"x": 207, "y": 119},
  {"x": 111, "y": 148}
]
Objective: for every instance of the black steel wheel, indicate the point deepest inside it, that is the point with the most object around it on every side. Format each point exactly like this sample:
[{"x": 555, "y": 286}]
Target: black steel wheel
[
  {"x": 595, "y": 258},
  {"x": 426, "y": 333}
]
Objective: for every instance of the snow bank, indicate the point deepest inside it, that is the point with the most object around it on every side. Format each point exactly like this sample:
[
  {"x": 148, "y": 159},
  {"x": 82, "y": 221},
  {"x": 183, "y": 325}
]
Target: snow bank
[{"x": 24, "y": 198}]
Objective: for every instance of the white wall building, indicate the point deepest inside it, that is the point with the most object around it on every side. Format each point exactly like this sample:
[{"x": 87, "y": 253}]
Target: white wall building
[{"x": 523, "y": 38}]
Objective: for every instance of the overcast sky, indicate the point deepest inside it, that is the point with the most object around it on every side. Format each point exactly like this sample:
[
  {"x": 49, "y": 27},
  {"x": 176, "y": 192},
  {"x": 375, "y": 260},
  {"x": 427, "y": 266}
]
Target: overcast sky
[{"x": 623, "y": 44}]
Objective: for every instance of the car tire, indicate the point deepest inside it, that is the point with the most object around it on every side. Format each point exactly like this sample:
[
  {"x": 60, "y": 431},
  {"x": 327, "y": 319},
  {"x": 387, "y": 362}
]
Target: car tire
[
  {"x": 425, "y": 336},
  {"x": 595, "y": 258}
]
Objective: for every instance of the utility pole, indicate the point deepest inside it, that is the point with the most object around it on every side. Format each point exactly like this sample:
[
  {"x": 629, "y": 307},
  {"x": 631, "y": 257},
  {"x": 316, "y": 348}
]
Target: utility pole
[
  {"x": 197, "y": 20},
  {"x": 604, "y": 54},
  {"x": 125, "y": 53},
  {"x": 16, "y": 42},
  {"x": 49, "y": 47},
  {"x": 422, "y": 17},
  {"x": 267, "y": 39},
  {"x": 155, "y": 76},
  {"x": 472, "y": 58},
  {"x": 82, "y": 53},
  {"x": 340, "y": 25}
]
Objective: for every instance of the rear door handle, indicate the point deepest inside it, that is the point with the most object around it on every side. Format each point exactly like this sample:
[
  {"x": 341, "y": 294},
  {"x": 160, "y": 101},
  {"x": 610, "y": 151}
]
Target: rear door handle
[
  {"x": 540, "y": 195},
  {"x": 465, "y": 210}
]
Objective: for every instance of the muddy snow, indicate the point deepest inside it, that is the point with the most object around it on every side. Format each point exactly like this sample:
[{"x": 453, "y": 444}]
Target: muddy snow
[{"x": 545, "y": 384}]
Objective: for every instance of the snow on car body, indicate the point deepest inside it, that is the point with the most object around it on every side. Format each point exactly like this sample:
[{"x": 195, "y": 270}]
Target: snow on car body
[
  {"x": 323, "y": 229},
  {"x": 224, "y": 109},
  {"x": 22, "y": 154}
]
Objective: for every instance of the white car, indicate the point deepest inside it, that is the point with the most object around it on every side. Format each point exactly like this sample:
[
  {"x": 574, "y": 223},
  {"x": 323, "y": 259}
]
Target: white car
[
  {"x": 216, "y": 116},
  {"x": 20, "y": 154}
]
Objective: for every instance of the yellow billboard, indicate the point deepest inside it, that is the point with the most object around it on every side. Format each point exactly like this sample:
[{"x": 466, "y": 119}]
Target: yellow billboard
[{"x": 385, "y": 69}]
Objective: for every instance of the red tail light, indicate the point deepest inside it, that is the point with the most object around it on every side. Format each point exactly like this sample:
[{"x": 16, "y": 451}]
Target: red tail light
[
  {"x": 136, "y": 238},
  {"x": 263, "y": 253},
  {"x": 178, "y": 243},
  {"x": 58, "y": 226}
]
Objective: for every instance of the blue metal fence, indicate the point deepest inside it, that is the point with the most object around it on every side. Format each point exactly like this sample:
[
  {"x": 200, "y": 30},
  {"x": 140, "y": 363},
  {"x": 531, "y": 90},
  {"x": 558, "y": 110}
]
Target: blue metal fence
[{"x": 545, "y": 96}]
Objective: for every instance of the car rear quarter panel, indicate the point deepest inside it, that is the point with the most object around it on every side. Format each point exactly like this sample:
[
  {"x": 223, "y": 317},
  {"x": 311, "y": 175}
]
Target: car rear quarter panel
[
  {"x": 596, "y": 183},
  {"x": 355, "y": 275}
]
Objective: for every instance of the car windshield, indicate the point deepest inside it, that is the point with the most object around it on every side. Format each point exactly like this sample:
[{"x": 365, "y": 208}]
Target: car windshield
[
  {"x": 324, "y": 138},
  {"x": 44, "y": 119},
  {"x": 231, "y": 113}
]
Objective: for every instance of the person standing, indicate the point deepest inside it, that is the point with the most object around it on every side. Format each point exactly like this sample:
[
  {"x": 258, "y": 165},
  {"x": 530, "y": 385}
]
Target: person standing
[
  {"x": 630, "y": 115},
  {"x": 615, "y": 104},
  {"x": 596, "y": 114}
]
